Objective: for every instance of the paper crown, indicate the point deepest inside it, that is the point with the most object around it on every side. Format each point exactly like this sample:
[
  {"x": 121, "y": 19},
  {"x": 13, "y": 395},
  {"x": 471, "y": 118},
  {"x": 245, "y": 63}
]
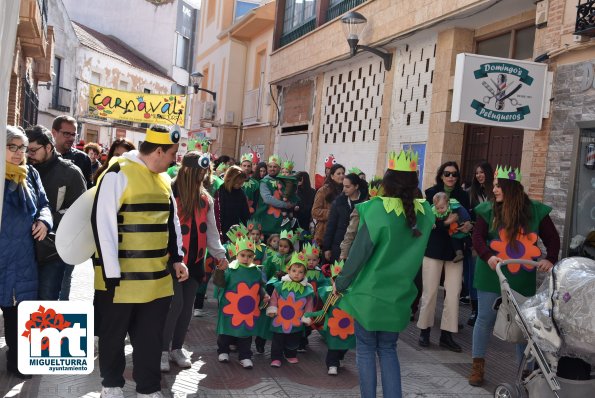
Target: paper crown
[
  {"x": 329, "y": 161},
  {"x": 222, "y": 168},
  {"x": 252, "y": 156},
  {"x": 171, "y": 137},
  {"x": 244, "y": 244},
  {"x": 203, "y": 145},
  {"x": 508, "y": 173},
  {"x": 298, "y": 258},
  {"x": 375, "y": 187},
  {"x": 289, "y": 235},
  {"x": 336, "y": 268},
  {"x": 253, "y": 224},
  {"x": 288, "y": 164},
  {"x": 354, "y": 170},
  {"x": 404, "y": 161},
  {"x": 237, "y": 232},
  {"x": 246, "y": 157},
  {"x": 275, "y": 159},
  {"x": 311, "y": 250}
]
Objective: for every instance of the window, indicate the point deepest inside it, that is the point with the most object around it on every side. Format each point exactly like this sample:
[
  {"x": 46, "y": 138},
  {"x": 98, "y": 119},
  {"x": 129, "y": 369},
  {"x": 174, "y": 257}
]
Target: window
[
  {"x": 147, "y": 91},
  {"x": 178, "y": 89},
  {"x": 95, "y": 78},
  {"x": 517, "y": 44},
  {"x": 123, "y": 85},
  {"x": 242, "y": 8},
  {"x": 297, "y": 12},
  {"x": 259, "y": 68},
  {"x": 182, "y": 52}
]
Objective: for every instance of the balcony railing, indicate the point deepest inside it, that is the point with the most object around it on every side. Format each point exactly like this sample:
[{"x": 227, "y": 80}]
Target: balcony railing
[
  {"x": 341, "y": 8},
  {"x": 298, "y": 32},
  {"x": 585, "y": 19},
  {"x": 61, "y": 99}
]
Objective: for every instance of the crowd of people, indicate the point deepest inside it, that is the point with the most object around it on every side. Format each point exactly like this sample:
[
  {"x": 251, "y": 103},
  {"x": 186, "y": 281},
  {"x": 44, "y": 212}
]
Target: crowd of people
[{"x": 355, "y": 261}]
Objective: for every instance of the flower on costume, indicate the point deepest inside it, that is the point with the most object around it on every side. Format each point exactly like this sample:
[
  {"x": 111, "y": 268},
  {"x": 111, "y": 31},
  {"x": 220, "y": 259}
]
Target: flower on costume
[
  {"x": 413, "y": 165},
  {"x": 243, "y": 305},
  {"x": 273, "y": 210},
  {"x": 290, "y": 312},
  {"x": 336, "y": 270},
  {"x": 523, "y": 248},
  {"x": 340, "y": 324}
]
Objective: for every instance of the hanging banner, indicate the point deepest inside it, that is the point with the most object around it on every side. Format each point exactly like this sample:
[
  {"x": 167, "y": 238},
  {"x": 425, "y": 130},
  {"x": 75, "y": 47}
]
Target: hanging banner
[
  {"x": 499, "y": 92},
  {"x": 166, "y": 109}
]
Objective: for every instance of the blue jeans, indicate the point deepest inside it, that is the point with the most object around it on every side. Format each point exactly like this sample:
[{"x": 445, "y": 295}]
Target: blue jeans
[
  {"x": 383, "y": 344},
  {"x": 484, "y": 326},
  {"x": 65, "y": 290},
  {"x": 50, "y": 280}
]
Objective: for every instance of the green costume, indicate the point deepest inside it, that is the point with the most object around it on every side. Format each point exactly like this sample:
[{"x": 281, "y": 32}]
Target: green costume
[
  {"x": 252, "y": 190},
  {"x": 521, "y": 278},
  {"x": 269, "y": 215},
  {"x": 338, "y": 329},
  {"x": 317, "y": 279},
  {"x": 293, "y": 300},
  {"x": 382, "y": 264},
  {"x": 453, "y": 206},
  {"x": 239, "y": 301},
  {"x": 273, "y": 263}
]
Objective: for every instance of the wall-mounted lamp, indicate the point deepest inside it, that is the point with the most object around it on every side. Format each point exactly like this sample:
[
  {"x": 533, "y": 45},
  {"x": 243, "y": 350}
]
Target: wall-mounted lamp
[
  {"x": 196, "y": 78},
  {"x": 353, "y": 26}
]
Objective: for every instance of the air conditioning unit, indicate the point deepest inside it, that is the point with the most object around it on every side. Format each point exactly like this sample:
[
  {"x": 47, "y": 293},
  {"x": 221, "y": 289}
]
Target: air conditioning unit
[
  {"x": 209, "y": 110},
  {"x": 541, "y": 14}
]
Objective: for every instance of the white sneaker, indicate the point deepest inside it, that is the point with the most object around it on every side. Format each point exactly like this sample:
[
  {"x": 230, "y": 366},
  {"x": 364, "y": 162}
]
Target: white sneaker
[
  {"x": 112, "y": 392},
  {"x": 333, "y": 371},
  {"x": 223, "y": 357},
  {"x": 156, "y": 394},
  {"x": 164, "y": 361},
  {"x": 199, "y": 312},
  {"x": 179, "y": 358},
  {"x": 246, "y": 363}
]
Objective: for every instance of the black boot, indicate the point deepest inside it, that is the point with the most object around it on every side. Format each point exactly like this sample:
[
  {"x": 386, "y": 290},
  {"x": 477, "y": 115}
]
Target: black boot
[
  {"x": 447, "y": 342},
  {"x": 424, "y": 337},
  {"x": 473, "y": 317}
]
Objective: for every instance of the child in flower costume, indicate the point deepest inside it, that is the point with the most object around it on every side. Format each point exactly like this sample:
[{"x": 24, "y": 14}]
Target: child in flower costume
[
  {"x": 337, "y": 330},
  {"x": 291, "y": 299},
  {"x": 444, "y": 209},
  {"x": 239, "y": 304},
  {"x": 276, "y": 261},
  {"x": 255, "y": 233}
]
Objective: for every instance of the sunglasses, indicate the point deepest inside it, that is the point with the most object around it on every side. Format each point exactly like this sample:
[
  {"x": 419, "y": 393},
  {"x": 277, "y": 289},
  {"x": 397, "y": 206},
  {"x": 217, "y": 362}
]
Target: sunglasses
[{"x": 454, "y": 174}]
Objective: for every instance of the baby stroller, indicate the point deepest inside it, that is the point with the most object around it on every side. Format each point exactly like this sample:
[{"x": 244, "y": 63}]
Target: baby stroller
[{"x": 552, "y": 328}]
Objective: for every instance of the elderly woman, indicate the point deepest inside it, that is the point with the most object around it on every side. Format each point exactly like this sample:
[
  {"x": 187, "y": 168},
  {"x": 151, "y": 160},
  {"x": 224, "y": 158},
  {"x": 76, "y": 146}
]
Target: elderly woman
[{"x": 26, "y": 216}]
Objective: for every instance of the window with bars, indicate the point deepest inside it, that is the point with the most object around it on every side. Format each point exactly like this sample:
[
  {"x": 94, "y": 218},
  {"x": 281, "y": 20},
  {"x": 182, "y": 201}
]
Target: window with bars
[{"x": 297, "y": 13}]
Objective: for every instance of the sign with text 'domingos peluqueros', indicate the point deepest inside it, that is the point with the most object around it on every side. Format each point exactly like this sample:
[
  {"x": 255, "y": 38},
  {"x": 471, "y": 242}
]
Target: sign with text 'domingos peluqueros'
[
  {"x": 499, "y": 92},
  {"x": 166, "y": 109}
]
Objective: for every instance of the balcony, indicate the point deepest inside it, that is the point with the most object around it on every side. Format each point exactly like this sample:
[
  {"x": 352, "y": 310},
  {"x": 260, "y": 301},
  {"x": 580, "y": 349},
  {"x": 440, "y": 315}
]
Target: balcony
[
  {"x": 585, "y": 19},
  {"x": 298, "y": 32},
  {"x": 341, "y": 7},
  {"x": 32, "y": 28},
  {"x": 43, "y": 66},
  {"x": 252, "y": 107},
  {"x": 61, "y": 99}
]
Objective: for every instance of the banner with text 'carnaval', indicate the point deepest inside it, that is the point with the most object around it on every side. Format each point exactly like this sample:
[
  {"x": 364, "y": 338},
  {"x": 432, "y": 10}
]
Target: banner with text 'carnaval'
[{"x": 163, "y": 109}]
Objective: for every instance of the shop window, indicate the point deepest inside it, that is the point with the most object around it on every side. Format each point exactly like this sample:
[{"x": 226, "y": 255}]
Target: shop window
[{"x": 516, "y": 44}]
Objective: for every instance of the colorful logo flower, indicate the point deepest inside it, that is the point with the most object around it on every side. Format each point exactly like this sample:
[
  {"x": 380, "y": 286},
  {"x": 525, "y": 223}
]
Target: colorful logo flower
[
  {"x": 340, "y": 324},
  {"x": 43, "y": 319},
  {"x": 290, "y": 312},
  {"x": 524, "y": 248},
  {"x": 243, "y": 305}
]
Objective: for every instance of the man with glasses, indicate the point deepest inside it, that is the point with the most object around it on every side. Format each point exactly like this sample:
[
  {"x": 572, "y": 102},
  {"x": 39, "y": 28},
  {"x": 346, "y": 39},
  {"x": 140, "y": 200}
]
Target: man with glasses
[
  {"x": 64, "y": 131},
  {"x": 63, "y": 183}
]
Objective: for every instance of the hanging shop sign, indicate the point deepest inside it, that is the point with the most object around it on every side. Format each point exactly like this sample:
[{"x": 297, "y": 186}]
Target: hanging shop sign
[
  {"x": 166, "y": 109},
  {"x": 499, "y": 92}
]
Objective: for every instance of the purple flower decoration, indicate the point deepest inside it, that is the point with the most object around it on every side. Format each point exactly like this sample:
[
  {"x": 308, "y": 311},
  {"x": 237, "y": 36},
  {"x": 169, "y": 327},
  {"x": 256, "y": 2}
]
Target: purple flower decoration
[
  {"x": 511, "y": 175},
  {"x": 566, "y": 297}
]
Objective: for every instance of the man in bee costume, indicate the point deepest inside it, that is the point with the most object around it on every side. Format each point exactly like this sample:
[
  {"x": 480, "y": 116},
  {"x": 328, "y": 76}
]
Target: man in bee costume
[{"x": 136, "y": 231}]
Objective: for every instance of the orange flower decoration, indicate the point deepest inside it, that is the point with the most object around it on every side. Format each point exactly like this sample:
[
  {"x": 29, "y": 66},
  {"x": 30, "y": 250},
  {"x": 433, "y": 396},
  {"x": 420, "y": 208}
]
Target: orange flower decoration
[
  {"x": 243, "y": 305},
  {"x": 340, "y": 324},
  {"x": 391, "y": 164},
  {"x": 290, "y": 312},
  {"x": 273, "y": 210},
  {"x": 413, "y": 165},
  {"x": 524, "y": 248},
  {"x": 453, "y": 228},
  {"x": 315, "y": 251}
]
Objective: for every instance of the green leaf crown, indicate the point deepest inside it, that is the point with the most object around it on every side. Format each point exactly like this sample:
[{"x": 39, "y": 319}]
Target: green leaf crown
[
  {"x": 404, "y": 161},
  {"x": 508, "y": 173}
]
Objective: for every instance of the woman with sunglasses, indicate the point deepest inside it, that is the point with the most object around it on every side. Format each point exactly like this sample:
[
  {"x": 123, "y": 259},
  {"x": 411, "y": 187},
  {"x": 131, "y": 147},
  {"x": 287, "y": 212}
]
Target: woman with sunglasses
[
  {"x": 26, "y": 216},
  {"x": 440, "y": 254},
  {"x": 199, "y": 232}
]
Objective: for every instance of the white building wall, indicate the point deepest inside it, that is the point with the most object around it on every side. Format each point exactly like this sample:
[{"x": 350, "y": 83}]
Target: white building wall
[
  {"x": 412, "y": 93},
  {"x": 351, "y": 102}
]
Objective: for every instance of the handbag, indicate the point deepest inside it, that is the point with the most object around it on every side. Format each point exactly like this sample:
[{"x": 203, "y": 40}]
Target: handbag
[
  {"x": 45, "y": 250},
  {"x": 506, "y": 327}
]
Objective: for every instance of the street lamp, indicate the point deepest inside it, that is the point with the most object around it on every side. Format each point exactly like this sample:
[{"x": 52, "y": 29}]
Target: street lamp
[
  {"x": 353, "y": 26},
  {"x": 196, "y": 78}
]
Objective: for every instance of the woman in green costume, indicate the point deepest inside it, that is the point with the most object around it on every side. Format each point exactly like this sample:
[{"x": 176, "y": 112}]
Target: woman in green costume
[
  {"x": 377, "y": 279},
  {"x": 507, "y": 227}
]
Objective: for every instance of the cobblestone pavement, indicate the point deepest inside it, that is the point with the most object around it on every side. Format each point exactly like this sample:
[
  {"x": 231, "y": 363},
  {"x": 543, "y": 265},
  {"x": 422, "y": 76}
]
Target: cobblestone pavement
[{"x": 432, "y": 372}]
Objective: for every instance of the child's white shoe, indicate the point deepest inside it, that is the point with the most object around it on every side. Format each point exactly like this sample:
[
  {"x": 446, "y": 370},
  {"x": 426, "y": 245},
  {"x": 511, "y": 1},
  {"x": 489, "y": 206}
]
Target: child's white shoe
[
  {"x": 333, "y": 371},
  {"x": 246, "y": 363},
  {"x": 223, "y": 357}
]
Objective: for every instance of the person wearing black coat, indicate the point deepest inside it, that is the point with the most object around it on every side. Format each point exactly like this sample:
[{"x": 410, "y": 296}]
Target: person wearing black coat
[
  {"x": 354, "y": 192},
  {"x": 306, "y": 194},
  {"x": 231, "y": 203}
]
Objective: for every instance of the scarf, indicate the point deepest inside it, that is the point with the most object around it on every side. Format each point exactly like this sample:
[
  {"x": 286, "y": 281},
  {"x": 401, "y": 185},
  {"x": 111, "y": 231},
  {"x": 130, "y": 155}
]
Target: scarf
[
  {"x": 16, "y": 173},
  {"x": 448, "y": 190}
]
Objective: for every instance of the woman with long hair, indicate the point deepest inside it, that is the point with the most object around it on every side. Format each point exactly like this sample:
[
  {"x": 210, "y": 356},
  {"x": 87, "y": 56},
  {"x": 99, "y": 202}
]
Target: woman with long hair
[
  {"x": 231, "y": 203},
  {"x": 306, "y": 194},
  {"x": 326, "y": 195},
  {"x": 440, "y": 255},
  {"x": 261, "y": 171},
  {"x": 199, "y": 232},
  {"x": 507, "y": 227},
  {"x": 118, "y": 148},
  {"x": 393, "y": 231},
  {"x": 26, "y": 217}
]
